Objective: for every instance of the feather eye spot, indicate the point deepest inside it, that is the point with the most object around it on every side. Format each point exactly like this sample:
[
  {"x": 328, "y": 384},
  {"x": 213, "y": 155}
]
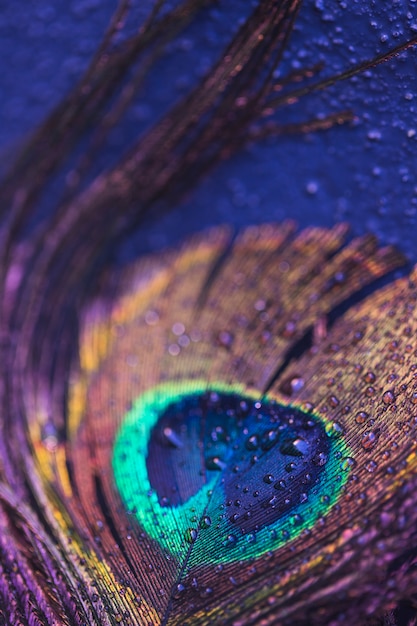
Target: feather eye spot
[{"x": 195, "y": 461}]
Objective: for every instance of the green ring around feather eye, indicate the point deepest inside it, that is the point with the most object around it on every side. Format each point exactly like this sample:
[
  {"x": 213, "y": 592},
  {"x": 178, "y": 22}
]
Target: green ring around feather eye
[{"x": 170, "y": 527}]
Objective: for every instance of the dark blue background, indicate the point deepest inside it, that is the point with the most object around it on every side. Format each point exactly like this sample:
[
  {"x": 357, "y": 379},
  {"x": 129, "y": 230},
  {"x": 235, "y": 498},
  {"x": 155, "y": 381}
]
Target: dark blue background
[{"x": 364, "y": 174}]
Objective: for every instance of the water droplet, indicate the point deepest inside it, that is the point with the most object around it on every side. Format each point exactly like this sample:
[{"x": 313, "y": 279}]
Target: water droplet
[
  {"x": 292, "y": 384},
  {"x": 268, "y": 479},
  {"x": 151, "y": 318},
  {"x": 260, "y": 305},
  {"x": 205, "y": 522},
  {"x": 306, "y": 480},
  {"x": 179, "y": 590},
  {"x": 230, "y": 541},
  {"x": 280, "y": 485},
  {"x": 296, "y": 520},
  {"x": 191, "y": 535},
  {"x": 172, "y": 438},
  {"x": 296, "y": 447},
  {"x": 347, "y": 463},
  {"x": 333, "y": 401},
  {"x": 174, "y": 349},
  {"x": 178, "y": 329},
  {"x": 361, "y": 498},
  {"x": 333, "y": 429},
  {"x": 225, "y": 339},
  {"x": 289, "y": 330},
  {"x": 273, "y": 502},
  {"x": 269, "y": 439},
  {"x": 388, "y": 397},
  {"x": 307, "y": 407},
  {"x": 252, "y": 443},
  {"x": 387, "y": 519},
  {"x": 369, "y": 440},
  {"x": 370, "y": 377},
  {"x": 312, "y": 187},
  {"x": 320, "y": 459},
  {"x": 297, "y": 383},
  {"x": 218, "y": 434},
  {"x": 361, "y": 417},
  {"x": 371, "y": 466},
  {"x": 375, "y": 135},
  {"x": 215, "y": 463}
]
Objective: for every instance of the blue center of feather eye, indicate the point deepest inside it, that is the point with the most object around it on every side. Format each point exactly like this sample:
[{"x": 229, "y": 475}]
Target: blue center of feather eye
[{"x": 222, "y": 470}]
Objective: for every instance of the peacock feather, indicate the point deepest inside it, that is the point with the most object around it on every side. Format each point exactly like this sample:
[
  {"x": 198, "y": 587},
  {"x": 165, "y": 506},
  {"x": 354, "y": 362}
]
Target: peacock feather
[{"x": 221, "y": 433}]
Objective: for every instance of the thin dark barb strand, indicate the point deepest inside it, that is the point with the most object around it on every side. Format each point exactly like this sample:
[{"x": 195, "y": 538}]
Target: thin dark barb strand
[
  {"x": 69, "y": 250},
  {"x": 340, "y": 76},
  {"x": 272, "y": 129}
]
